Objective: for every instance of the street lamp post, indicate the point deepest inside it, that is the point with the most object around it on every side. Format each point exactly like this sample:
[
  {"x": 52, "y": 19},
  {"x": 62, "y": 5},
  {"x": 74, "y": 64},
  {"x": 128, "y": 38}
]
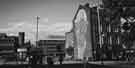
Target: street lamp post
[
  {"x": 99, "y": 25},
  {"x": 37, "y": 30}
]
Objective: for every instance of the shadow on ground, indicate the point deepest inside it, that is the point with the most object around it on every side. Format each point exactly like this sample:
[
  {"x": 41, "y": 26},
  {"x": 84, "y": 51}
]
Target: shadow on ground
[{"x": 55, "y": 66}]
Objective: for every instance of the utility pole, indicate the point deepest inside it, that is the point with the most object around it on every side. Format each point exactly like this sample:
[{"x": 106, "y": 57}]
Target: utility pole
[{"x": 37, "y": 30}]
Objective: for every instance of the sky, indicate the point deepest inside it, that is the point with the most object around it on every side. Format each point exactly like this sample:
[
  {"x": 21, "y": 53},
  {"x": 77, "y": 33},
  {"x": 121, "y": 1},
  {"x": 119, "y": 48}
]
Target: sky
[{"x": 55, "y": 17}]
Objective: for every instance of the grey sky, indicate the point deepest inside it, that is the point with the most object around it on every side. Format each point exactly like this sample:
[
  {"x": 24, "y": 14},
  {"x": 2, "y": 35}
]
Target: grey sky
[{"x": 55, "y": 16}]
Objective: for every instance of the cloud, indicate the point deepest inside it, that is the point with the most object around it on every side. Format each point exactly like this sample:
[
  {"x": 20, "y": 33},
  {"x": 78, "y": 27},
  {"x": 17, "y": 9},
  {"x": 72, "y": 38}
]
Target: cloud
[
  {"x": 47, "y": 30},
  {"x": 62, "y": 26},
  {"x": 45, "y": 20}
]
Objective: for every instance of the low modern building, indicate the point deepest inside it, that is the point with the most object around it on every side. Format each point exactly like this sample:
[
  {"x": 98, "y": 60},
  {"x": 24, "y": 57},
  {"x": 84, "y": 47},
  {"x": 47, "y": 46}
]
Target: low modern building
[
  {"x": 8, "y": 45},
  {"x": 50, "y": 46}
]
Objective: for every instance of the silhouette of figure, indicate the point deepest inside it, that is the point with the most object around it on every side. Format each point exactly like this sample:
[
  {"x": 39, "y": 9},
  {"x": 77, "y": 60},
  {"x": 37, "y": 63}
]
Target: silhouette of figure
[
  {"x": 49, "y": 60},
  {"x": 61, "y": 58},
  {"x": 60, "y": 54}
]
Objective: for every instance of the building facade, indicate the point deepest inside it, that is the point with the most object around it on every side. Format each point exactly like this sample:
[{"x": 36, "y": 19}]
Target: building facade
[
  {"x": 8, "y": 45},
  {"x": 103, "y": 31},
  {"x": 50, "y": 46},
  {"x": 120, "y": 17},
  {"x": 82, "y": 33},
  {"x": 69, "y": 44},
  {"x": 69, "y": 39}
]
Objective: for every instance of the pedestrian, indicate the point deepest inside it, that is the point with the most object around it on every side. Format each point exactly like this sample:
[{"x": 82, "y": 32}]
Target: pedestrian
[
  {"x": 49, "y": 60},
  {"x": 61, "y": 58}
]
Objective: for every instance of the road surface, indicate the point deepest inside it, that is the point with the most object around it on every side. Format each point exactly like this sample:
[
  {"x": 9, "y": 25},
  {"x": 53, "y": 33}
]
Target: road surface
[
  {"x": 106, "y": 64},
  {"x": 54, "y": 66}
]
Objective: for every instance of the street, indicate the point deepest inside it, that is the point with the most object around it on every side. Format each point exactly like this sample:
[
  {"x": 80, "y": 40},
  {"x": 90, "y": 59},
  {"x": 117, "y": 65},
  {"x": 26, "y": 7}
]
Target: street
[
  {"x": 54, "y": 66},
  {"x": 97, "y": 64}
]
